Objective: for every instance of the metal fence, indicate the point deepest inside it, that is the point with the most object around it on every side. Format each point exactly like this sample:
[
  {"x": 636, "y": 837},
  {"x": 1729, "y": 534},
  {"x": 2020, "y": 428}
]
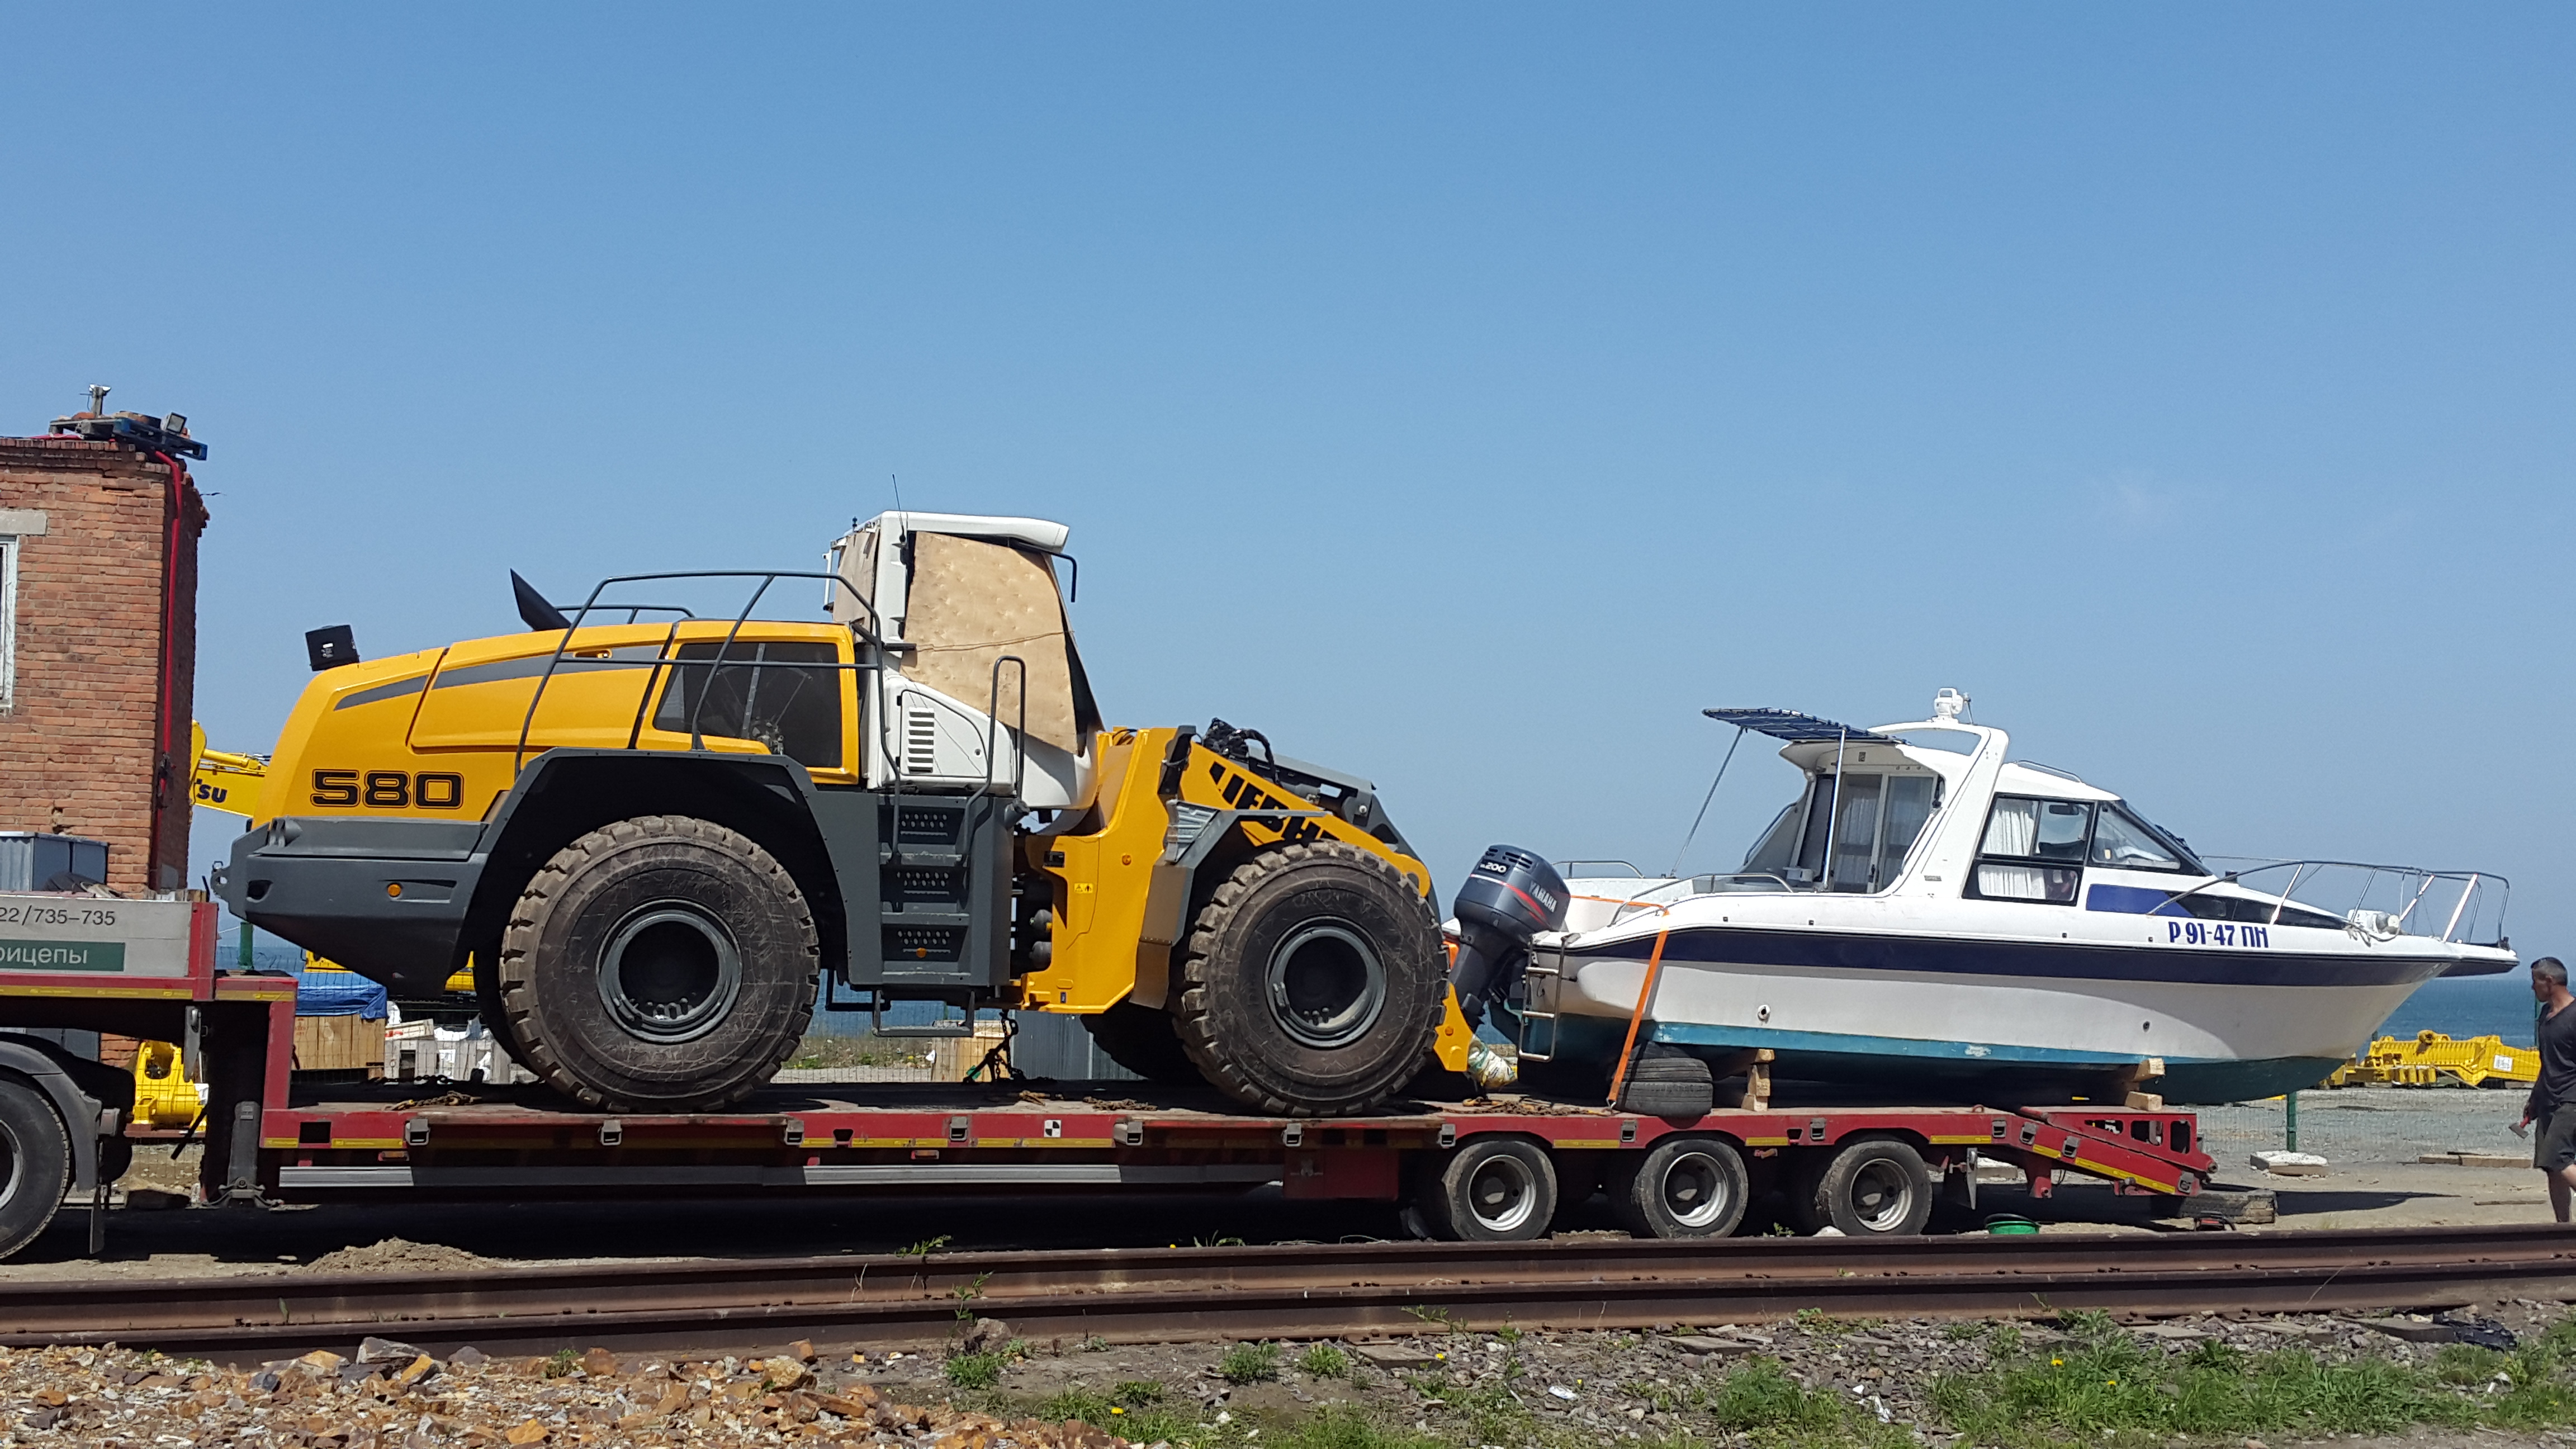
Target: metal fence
[{"x": 2370, "y": 1125}]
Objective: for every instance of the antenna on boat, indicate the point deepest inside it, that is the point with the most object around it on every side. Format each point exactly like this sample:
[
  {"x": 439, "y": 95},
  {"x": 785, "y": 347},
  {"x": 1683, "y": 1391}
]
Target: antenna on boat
[{"x": 1703, "y": 803}]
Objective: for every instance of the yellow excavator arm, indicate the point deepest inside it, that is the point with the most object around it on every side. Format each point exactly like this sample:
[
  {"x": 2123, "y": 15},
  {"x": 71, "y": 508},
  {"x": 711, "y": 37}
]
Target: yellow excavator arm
[{"x": 215, "y": 776}]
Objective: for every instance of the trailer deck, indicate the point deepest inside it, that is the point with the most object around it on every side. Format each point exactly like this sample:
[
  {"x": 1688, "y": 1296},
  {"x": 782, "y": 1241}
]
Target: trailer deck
[{"x": 1489, "y": 1168}]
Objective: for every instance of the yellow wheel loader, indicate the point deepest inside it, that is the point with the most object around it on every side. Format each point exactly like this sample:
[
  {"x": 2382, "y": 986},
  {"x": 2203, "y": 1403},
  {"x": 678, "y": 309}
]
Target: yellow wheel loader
[{"x": 654, "y": 838}]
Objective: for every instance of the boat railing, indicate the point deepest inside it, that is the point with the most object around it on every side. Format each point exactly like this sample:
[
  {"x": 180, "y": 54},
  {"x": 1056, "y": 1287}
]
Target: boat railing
[
  {"x": 2383, "y": 901},
  {"x": 1673, "y": 892},
  {"x": 1572, "y": 869}
]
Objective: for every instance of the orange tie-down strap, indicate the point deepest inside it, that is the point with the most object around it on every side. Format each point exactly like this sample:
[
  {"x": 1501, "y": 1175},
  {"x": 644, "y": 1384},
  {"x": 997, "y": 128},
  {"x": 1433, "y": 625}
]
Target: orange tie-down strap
[{"x": 1645, "y": 995}]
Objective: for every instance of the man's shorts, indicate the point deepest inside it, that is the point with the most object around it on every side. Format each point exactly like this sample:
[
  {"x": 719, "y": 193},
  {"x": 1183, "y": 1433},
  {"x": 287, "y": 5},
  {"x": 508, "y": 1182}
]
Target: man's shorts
[{"x": 2553, "y": 1146}]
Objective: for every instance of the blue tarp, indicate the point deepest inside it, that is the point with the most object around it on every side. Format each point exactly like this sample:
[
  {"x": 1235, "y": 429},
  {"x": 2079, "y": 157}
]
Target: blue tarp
[{"x": 338, "y": 993}]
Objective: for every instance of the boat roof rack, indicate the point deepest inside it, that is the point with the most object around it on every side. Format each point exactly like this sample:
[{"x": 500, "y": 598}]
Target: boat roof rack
[{"x": 1788, "y": 724}]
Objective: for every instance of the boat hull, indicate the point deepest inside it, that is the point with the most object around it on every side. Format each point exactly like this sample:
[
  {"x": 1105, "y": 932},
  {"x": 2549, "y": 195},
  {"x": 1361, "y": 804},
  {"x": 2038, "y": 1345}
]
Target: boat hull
[{"x": 1987, "y": 1020}]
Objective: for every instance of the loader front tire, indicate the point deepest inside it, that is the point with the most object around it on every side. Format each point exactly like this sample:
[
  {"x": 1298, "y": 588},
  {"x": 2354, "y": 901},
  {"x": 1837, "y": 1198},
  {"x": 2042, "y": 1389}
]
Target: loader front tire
[
  {"x": 663, "y": 963},
  {"x": 1312, "y": 982}
]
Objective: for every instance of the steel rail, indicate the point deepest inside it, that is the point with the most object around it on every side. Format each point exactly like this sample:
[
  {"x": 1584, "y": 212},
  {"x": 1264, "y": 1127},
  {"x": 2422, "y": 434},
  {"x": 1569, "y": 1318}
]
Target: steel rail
[{"x": 1296, "y": 1291}]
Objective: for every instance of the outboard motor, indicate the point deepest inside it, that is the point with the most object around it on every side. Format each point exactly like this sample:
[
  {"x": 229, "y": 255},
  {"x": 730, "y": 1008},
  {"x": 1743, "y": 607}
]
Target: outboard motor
[{"x": 1510, "y": 896}]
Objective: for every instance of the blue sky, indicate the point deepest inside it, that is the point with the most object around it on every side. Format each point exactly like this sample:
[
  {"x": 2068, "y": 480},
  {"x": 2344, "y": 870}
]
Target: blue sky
[{"x": 1464, "y": 396}]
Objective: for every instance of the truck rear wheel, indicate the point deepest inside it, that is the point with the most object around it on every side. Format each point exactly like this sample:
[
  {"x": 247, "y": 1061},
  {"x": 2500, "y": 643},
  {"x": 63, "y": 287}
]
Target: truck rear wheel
[
  {"x": 35, "y": 1163},
  {"x": 1312, "y": 982},
  {"x": 663, "y": 963}
]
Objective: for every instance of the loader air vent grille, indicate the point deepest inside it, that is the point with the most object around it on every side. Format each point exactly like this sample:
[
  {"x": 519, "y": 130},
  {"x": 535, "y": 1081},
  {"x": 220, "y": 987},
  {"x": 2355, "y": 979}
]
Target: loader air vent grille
[{"x": 920, "y": 742}]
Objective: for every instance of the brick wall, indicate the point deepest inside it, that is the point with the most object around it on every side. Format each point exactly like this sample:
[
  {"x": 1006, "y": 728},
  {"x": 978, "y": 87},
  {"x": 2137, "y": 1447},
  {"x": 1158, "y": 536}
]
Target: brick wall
[{"x": 86, "y": 744}]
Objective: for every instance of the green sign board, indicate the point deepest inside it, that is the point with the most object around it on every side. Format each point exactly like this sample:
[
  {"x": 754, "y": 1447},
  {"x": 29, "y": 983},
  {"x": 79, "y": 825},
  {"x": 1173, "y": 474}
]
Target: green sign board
[{"x": 62, "y": 955}]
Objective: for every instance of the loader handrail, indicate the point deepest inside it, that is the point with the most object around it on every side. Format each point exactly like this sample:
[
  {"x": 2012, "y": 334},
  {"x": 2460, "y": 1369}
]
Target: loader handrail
[
  {"x": 868, "y": 634},
  {"x": 1019, "y": 730}
]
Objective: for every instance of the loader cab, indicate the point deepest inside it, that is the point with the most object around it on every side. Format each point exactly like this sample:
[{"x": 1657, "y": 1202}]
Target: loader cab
[{"x": 984, "y": 688}]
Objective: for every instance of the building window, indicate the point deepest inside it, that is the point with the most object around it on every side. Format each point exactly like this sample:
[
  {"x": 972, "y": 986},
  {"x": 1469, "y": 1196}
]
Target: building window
[{"x": 8, "y": 622}]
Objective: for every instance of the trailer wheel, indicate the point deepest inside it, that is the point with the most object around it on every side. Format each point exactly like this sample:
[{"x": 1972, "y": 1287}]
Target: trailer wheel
[
  {"x": 1877, "y": 1187},
  {"x": 1682, "y": 1187},
  {"x": 35, "y": 1163},
  {"x": 662, "y": 963},
  {"x": 1313, "y": 982},
  {"x": 1492, "y": 1190},
  {"x": 1141, "y": 1039}
]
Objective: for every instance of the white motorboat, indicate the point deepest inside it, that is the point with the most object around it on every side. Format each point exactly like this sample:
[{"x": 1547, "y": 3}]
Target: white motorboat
[{"x": 1933, "y": 916}]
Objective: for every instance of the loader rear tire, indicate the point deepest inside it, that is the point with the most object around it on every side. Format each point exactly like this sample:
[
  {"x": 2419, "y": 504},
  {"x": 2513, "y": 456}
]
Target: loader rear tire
[
  {"x": 1312, "y": 982},
  {"x": 663, "y": 963},
  {"x": 1141, "y": 1039}
]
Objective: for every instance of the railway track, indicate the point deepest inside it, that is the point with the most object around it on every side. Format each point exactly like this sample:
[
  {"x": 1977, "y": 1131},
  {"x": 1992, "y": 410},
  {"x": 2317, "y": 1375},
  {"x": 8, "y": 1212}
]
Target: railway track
[{"x": 1294, "y": 1291}]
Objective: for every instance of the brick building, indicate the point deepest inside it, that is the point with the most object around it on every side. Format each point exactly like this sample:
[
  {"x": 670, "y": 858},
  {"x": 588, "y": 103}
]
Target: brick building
[{"x": 98, "y": 643}]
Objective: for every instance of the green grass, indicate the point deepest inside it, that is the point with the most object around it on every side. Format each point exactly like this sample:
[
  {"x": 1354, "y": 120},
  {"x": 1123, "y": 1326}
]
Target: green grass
[
  {"x": 2108, "y": 1384},
  {"x": 1324, "y": 1361},
  {"x": 1759, "y": 1396},
  {"x": 1137, "y": 1393},
  {"x": 1250, "y": 1363},
  {"x": 974, "y": 1370}
]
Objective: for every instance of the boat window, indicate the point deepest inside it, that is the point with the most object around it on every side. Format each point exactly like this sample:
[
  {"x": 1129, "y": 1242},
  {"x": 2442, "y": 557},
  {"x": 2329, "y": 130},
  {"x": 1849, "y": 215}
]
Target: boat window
[
  {"x": 1771, "y": 854},
  {"x": 1811, "y": 844},
  {"x": 2122, "y": 842},
  {"x": 2211, "y": 906},
  {"x": 1910, "y": 799},
  {"x": 2028, "y": 834},
  {"x": 2050, "y": 884},
  {"x": 2038, "y": 829},
  {"x": 1856, "y": 833}
]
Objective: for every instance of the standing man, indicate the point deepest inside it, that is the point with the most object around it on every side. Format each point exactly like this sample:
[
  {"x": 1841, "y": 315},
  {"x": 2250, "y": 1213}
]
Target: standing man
[{"x": 2553, "y": 1098}]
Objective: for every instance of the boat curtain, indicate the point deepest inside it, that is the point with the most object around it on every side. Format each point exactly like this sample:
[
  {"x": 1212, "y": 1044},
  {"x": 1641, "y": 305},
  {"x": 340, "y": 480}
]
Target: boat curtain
[{"x": 2013, "y": 829}]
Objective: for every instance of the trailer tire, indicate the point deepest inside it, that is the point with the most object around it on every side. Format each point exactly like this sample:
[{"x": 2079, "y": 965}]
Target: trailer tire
[
  {"x": 1874, "y": 1187},
  {"x": 35, "y": 1163},
  {"x": 1491, "y": 1190},
  {"x": 663, "y": 963},
  {"x": 1313, "y": 981},
  {"x": 1141, "y": 1039},
  {"x": 1682, "y": 1187}
]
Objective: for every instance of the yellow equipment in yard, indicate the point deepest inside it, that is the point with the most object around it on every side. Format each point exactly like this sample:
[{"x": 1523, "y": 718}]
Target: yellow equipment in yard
[
  {"x": 163, "y": 1095},
  {"x": 215, "y": 777},
  {"x": 2427, "y": 1057},
  {"x": 651, "y": 839}
]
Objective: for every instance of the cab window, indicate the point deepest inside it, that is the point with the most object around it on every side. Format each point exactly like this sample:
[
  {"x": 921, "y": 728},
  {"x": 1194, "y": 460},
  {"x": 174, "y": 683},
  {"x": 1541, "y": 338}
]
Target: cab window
[{"x": 785, "y": 694}]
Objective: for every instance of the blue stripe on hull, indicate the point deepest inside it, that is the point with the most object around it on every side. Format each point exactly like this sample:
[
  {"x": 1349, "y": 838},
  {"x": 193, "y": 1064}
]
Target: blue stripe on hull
[
  {"x": 2061, "y": 960},
  {"x": 1989, "y": 1071}
]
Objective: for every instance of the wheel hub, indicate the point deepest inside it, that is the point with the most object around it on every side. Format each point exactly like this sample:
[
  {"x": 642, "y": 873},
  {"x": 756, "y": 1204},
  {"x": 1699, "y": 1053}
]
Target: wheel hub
[
  {"x": 1326, "y": 984},
  {"x": 1501, "y": 1194},
  {"x": 1694, "y": 1190},
  {"x": 1881, "y": 1196},
  {"x": 670, "y": 972}
]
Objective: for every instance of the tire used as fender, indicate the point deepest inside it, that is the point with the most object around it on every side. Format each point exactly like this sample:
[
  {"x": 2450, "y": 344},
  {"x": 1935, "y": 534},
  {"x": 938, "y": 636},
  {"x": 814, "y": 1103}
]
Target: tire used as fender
[
  {"x": 1312, "y": 982},
  {"x": 663, "y": 963}
]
